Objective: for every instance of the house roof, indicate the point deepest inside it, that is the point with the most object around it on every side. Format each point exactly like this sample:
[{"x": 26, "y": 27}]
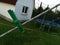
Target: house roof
[{"x": 9, "y": 1}]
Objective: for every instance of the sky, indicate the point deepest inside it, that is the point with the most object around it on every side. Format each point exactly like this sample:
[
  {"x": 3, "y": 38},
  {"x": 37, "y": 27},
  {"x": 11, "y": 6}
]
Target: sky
[{"x": 51, "y": 3}]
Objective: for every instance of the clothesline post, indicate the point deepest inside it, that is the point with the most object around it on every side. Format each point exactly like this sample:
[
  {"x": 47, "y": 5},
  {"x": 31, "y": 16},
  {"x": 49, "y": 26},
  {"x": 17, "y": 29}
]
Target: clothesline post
[{"x": 15, "y": 20}]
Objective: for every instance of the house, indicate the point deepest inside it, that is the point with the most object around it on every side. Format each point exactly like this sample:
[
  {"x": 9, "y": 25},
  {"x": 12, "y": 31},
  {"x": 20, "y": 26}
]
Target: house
[
  {"x": 23, "y": 8},
  {"x": 6, "y": 5}
]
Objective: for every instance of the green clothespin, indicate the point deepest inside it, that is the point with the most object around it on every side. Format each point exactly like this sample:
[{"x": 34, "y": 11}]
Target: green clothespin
[{"x": 15, "y": 20}]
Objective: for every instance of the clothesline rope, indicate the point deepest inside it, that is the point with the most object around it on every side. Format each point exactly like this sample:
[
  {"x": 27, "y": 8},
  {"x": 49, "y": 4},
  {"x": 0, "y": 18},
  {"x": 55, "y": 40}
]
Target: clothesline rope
[{"x": 28, "y": 21}]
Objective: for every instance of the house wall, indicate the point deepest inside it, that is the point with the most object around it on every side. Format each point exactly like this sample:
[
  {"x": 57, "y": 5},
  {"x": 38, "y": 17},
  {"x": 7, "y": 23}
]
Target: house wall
[
  {"x": 4, "y": 7},
  {"x": 9, "y": 1},
  {"x": 19, "y": 7}
]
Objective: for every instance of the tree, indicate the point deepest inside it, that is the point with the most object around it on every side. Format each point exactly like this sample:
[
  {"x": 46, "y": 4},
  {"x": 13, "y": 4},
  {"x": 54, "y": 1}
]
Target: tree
[
  {"x": 40, "y": 9},
  {"x": 34, "y": 12}
]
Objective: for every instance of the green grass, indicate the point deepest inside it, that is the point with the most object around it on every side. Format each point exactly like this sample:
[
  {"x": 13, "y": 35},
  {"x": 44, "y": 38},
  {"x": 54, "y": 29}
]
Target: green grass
[
  {"x": 30, "y": 37},
  {"x": 5, "y": 25}
]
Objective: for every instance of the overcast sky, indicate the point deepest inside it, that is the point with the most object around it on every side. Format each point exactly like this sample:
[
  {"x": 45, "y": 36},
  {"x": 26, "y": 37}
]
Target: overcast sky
[{"x": 51, "y": 3}]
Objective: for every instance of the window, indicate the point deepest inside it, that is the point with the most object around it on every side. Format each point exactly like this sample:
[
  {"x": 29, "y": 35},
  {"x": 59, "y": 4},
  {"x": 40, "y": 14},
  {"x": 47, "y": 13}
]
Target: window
[{"x": 25, "y": 9}]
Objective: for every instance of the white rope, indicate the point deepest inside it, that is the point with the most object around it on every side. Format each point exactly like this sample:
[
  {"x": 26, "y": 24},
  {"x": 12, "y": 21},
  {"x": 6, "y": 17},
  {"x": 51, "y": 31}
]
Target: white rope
[
  {"x": 28, "y": 21},
  {"x": 7, "y": 32}
]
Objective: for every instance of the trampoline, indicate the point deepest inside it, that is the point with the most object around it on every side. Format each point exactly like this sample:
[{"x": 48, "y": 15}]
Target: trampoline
[{"x": 46, "y": 22}]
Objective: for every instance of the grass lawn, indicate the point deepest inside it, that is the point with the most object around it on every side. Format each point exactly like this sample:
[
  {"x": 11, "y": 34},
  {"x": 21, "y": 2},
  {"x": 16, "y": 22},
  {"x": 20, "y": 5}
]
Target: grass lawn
[{"x": 32, "y": 36}]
